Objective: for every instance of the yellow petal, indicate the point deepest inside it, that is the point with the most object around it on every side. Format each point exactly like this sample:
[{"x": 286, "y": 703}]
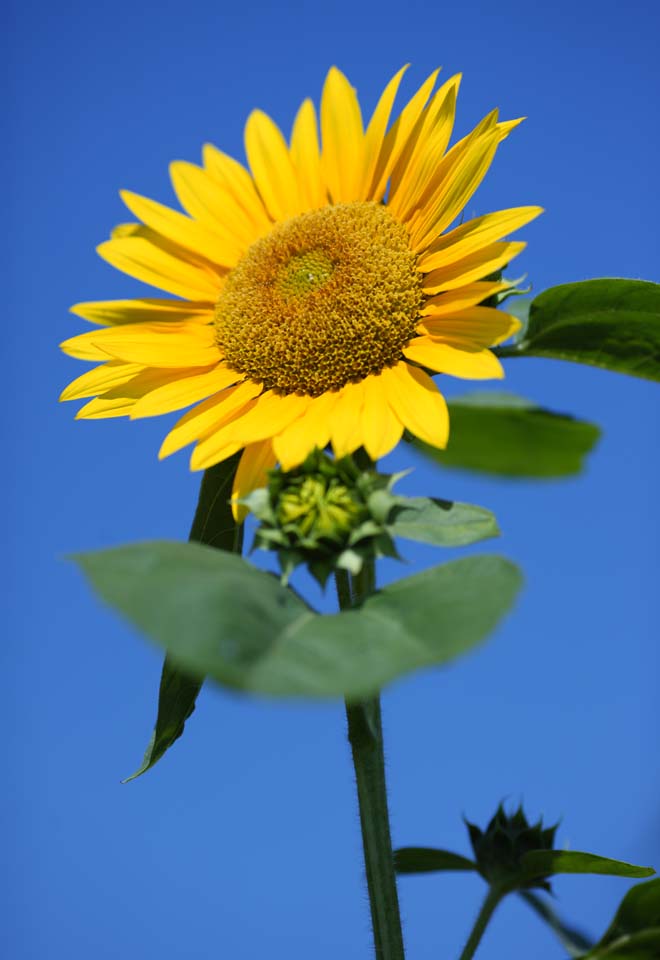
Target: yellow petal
[
  {"x": 183, "y": 392},
  {"x": 468, "y": 361},
  {"x": 104, "y": 409},
  {"x": 145, "y": 261},
  {"x": 306, "y": 157},
  {"x": 84, "y": 348},
  {"x": 271, "y": 166},
  {"x": 483, "y": 325},
  {"x": 375, "y": 133},
  {"x": 420, "y": 159},
  {"x": 381, "y": 428},
  {"x": 99, "y": 379},
  {"x": 345, "y": 426},
  {"x": 206, "y": 200},
  {"x": 268, "y": 416},
  {"x": 475, "y": 235},
  {"x": 300, "y": 437},
  {"x": 474, "y": 267},
  {"x": 417, "y": 403},
  {"x": 185, "y": 344},
  {"x": 181, "y": 229},
  {"x": 115, "y": 312},
  {"x": 397, "y": 137},
  {"x": 238, "y": 183},
  {"x": 454, "y": 193},
  {"x": 453, "y": 301},
  {"x": 343, "y": 138},
  {"x": 119, "y": 401},
  {"x": 251, "y": 474},
  {"x": 208, "y": 416}
]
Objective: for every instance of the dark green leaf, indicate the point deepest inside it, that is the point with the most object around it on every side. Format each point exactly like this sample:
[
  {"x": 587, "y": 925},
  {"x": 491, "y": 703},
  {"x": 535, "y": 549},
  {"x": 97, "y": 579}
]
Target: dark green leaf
[
  {"x": 428, "y": 860},
  {"x": 213, "y": 524},
  {"x": 176, "y": 702},
  {"x": 547, "y": 863},
  {"x": 644, "y": 945},
  {"x": 505, "y": 435},
  {"x": 217, "y": 615},
  {"x": 610, "y": 323},
  {"x": 639, "y": 910},
  {"x": 442, "y": 523},
  {"x": 572, "y": 940}
]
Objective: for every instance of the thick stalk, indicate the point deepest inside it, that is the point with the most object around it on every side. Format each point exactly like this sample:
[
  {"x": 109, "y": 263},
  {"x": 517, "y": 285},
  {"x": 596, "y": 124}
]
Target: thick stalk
[
  {"x": 365, "y": 735},
  {"x": 488, "y": 908}
]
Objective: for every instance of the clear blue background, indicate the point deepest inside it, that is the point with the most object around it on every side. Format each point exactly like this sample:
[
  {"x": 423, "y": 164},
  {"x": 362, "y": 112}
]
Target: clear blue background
[{"x": 244, "y": 841}]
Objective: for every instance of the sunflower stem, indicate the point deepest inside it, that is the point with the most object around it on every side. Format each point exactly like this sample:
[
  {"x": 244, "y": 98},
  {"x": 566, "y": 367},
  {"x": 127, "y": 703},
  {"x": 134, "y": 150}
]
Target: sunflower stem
[
  {"x": 488, "y": 908},
  {"x": 365, "y": 735}
]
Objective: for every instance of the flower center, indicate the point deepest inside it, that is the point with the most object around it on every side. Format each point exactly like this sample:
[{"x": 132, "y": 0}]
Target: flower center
[{"x": 325, "y": 299}]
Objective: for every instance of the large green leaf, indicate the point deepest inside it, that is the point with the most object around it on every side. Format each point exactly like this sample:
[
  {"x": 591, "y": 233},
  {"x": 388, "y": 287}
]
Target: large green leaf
[
  {"x": 506, "y": 435},
  {"x": 441, "y": 522},
  {"x": 611, "y": 323},
  {"x": 214, "y": 525},
  {"x": 547, "y": 863},
  {"x": 217, "y": 615},
  {"x": 429, "y": 860}
]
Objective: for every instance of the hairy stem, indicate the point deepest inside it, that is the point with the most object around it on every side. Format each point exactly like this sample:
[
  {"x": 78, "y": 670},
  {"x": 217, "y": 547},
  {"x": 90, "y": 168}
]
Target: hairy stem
[{"x": 365, "y": 735}]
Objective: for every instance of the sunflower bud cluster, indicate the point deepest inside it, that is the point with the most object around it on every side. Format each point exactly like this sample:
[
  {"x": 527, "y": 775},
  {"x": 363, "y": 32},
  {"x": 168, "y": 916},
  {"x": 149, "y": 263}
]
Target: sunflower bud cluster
[
  {"x": 499, "y": 849},
  {"x": 327, "y": 514}
]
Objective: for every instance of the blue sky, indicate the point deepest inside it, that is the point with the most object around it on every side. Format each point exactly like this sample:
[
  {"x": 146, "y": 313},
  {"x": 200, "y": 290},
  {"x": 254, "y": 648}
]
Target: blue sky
[{"x": 244, "y": 840}]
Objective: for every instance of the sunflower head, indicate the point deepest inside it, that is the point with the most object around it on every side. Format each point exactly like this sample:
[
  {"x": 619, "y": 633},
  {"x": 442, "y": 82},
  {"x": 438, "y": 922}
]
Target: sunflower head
[{"x": 310, "y": 295}]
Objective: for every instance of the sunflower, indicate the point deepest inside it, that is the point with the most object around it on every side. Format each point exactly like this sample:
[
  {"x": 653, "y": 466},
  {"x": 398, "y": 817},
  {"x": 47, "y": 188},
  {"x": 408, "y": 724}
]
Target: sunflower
[{"x": 310, "y": 294}]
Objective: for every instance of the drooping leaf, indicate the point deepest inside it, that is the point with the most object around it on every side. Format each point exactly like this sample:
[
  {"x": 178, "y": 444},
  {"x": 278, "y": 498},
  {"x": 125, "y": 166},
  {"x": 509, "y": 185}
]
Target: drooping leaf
[
  {"x": 442, "y": 523},
  {"x": 611, "y": 323},
  {"x": 547, "y": 863},
  {"x": 214, "y": 525},
  {"x": 429, "y": 860},
  {"x": 176, "y": 702},
  {"x": 571, "y": 939},
  {"x": 217, "y": 615},
  {"x": 506, "y": 435}
]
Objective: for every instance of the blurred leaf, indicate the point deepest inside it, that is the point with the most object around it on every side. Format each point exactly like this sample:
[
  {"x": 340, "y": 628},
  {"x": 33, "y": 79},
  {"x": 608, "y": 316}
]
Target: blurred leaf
[
  {"x": 217, "y": 615},
  {"x": 547, "y": 863},
  {"x": 638, "y": 911},
  {"x": 442, "y": 523},
  {"x": 428, "y": 860},
  {"x": 610, "y": 323},
  {"x": 644, "y": 945},
  {"x": 213, "y": 524},
  {"x": 506, "y": 435},
  {"x": 572, "y": 940}
]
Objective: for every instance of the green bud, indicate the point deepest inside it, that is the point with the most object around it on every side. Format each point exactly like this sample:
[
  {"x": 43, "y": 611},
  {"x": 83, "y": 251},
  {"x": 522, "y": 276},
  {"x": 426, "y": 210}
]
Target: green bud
[
  {"x": 326, "y": 514},
  {"x": 500, "y": 848}
]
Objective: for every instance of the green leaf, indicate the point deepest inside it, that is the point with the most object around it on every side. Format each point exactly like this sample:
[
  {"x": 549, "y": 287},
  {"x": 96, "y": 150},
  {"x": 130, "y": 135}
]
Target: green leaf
[
  {"x": 638, "y": 911},
  {"x": 506, "y": 435},
  {"x": 547, "y": 863},
  {"x": 217, "y": 615},
  {"x": 644, "y": 945},
  {"x": 428, "y": 860},
  {"x": 176, "y": 702},
  {"x": 610, "y": 323},
  {"x": 572, "y": 940},
  {"x": 442, "y": 523},
  {"x": 213, "y": 524}
]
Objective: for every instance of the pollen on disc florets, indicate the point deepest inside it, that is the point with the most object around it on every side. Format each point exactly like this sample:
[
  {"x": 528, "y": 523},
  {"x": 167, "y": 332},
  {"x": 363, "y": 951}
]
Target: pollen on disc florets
[{"x": 324, "y": 299}]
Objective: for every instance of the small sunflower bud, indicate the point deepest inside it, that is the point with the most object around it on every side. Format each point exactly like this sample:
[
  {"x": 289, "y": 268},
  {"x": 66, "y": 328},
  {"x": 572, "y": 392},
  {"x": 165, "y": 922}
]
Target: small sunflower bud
[
  {"x": 499, "y": 850},
  {"x": 326, "y": 514}
]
